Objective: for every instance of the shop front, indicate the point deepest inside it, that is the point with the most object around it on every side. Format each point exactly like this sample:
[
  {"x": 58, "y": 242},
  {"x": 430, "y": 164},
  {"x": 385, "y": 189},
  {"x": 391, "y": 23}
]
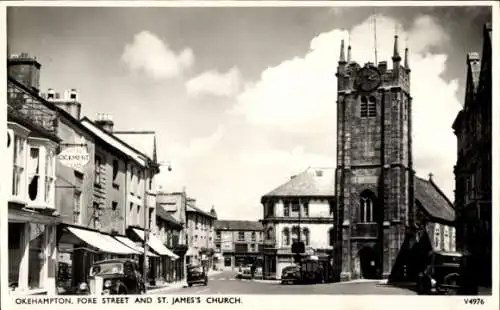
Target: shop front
[
  {"x": 79, "y": 248},
  {"x": 160, "y": 266},
  {"x": 32, "y": 251}
]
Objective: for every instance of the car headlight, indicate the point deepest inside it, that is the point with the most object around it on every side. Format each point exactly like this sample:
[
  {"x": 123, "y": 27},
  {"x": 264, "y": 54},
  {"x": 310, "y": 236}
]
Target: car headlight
[
  {"x": 106, "y": 292},
  {"x": 108, "y": 283},
  {"x": 433, "y": 282},
  {"x": 83, "y": 286}
]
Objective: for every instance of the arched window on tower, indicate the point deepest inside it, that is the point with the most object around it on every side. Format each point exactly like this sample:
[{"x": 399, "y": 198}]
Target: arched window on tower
[
  {"x": 286, "y": 236},
  {"x": 306, "y": 236},
  {"x": 364, "y": 107},
  {"x": 366, "y": 207}
]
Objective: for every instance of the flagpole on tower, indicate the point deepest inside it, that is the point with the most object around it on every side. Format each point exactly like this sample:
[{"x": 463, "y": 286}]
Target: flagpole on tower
[{"x": 375, "y": 35}]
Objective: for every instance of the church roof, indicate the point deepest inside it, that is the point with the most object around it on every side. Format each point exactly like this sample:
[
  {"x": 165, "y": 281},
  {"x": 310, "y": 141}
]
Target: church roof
[
  {"x": 238, "y": 225},
  {"x": 313, "y": 182},
  {"x": 432, "y": 199}
]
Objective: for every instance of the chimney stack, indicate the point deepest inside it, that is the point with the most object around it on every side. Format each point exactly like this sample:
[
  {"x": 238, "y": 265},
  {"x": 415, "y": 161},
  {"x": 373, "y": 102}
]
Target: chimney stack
[
  {"x": 69, "y": 102},
  {"x": 105, "y": 121},
  {"x": 26, "y": 70}
]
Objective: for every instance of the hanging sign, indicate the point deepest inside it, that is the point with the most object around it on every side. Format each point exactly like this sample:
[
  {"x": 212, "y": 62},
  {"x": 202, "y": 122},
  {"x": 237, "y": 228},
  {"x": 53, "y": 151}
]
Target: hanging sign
[{"x": 74, "y": 155}]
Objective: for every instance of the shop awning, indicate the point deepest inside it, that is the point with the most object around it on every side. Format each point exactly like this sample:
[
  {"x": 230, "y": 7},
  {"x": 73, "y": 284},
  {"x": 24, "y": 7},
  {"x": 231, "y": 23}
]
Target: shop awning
[
  {"x": 156, "y": 244},
  {"x": 131, "y": 244},
  {"x": 103, "y": 242}
]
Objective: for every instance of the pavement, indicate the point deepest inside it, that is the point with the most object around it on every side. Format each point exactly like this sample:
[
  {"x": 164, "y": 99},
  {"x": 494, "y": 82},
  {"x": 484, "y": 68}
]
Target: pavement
[
  {"x": 161, "y": 289},
  {"x": 225, "y": 282}
]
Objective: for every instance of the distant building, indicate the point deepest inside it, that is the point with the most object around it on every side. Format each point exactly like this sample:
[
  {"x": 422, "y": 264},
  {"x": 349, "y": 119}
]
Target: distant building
[
  {"x": 169, "y": 232},
  {"x": 303, "y": 205},
  {"x": 472, "y": 127},
  {"x": 200, "y": 234},
  {"x": 238, "y": 243}
]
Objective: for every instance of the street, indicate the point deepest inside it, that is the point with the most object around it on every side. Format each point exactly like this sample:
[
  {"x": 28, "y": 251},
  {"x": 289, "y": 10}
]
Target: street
[{"x": 226, "y": 283}]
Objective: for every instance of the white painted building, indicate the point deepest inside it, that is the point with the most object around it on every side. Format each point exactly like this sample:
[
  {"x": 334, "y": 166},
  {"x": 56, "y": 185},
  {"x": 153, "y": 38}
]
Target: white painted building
[{"x": 305, "y": 203}]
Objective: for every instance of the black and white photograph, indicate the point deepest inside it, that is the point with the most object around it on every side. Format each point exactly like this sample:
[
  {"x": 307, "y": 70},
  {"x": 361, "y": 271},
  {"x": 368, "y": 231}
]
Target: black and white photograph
[{"x": 213, "y": 151}]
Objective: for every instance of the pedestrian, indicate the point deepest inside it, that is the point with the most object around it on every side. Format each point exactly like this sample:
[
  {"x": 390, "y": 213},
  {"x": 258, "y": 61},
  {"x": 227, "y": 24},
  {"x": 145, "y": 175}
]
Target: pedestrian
[{"x": 252, "y": 269}]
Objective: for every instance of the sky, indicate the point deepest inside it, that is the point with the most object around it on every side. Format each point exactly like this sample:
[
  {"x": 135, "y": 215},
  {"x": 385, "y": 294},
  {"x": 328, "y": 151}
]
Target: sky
[{"x": 243, "y": 98}]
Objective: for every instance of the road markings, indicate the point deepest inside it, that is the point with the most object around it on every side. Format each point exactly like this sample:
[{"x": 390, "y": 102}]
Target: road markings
[{"x": 203, "y": 290}]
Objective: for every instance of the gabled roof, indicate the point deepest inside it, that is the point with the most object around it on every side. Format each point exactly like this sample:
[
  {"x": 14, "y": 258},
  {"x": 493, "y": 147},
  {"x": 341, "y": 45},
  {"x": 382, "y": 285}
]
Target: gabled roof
[
  {"x": 192, "y": 208},
  {"x": 433, "y": 200},
  {"x": 115, "y": 142},
  {"x": 238, "y": 225},
  {"x": 144, "y": 142},
  {"x": 313, "y": 182}
]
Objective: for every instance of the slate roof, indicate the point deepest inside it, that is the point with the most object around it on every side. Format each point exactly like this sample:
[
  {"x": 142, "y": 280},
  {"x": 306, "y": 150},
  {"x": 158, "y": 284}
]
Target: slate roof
[
  {"x": 432, "y": 199},
  {"x": 238, "y": 225},
  {"x": 163, "y": 214},
  {"x": 192, "y": 208},
  {"x": 313, "y": 182}
]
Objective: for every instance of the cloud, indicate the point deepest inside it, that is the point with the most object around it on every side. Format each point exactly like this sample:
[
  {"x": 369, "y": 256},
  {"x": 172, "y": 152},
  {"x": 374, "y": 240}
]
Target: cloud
[
  {"x": 215, "y": 83},
  {"x": 150, "y": 54},
  {"x": 299, "y": 94}
]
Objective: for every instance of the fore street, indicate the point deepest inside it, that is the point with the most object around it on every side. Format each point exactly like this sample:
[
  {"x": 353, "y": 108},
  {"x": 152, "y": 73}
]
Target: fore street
[{"x": 227, "y": 284}]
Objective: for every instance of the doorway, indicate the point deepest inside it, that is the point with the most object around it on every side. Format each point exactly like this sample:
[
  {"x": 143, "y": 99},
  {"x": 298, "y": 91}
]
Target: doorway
[{"x": 368, "y": 263}]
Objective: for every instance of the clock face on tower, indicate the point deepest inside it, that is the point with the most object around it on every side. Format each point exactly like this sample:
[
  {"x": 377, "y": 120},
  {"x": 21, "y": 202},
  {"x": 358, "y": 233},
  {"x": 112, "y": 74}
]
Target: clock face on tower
[{"x": 368, "y": 79}]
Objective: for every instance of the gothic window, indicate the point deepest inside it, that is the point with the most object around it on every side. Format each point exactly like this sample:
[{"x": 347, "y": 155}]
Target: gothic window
[
  {"x": 286, "y": 236},
  {"x": 366, "y": 208},
  {"x": 364, "y": 107}
]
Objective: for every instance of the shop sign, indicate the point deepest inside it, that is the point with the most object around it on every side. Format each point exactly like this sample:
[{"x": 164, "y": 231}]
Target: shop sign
[{"x": 74, "y": 155}]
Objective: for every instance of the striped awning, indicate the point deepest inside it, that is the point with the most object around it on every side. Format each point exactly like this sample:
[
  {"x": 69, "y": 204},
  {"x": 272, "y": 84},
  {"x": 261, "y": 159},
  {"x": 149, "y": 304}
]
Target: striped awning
[
  {"x": 105, "y": 243},
  {"x": 131, "y": 244}
]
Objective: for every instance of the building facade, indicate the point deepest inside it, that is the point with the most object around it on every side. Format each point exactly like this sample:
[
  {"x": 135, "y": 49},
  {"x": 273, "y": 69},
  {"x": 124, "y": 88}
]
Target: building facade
[
  {"x": 200, "y": 234},
  {"x": 238, "y": 243},
  {"x": 301, "y": 209},
  {"x": 174, "y": 204},
  {"x": 376, "y": 192},
  {"x": 169, "y": 232},
  {"x": 32, "y": 145},
  {"x": 472, "y": 127}
]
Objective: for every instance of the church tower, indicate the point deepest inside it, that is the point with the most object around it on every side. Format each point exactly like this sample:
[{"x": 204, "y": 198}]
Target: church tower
[{"x": 374, "y": 177}]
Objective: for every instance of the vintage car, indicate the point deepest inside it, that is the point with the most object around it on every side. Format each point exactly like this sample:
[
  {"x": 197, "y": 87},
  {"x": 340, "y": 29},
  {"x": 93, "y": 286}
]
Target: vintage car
[
  {"x": 113, "y": 277},
  {"x": 290, "y": 274},
  {"x": 445, "y": 273},
  {"x": 196, "y": 274}
]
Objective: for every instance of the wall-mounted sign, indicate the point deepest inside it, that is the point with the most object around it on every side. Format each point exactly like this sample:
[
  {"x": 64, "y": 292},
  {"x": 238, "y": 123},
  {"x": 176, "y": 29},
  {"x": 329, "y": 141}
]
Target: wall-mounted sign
[{"x": 74, "y": 155}]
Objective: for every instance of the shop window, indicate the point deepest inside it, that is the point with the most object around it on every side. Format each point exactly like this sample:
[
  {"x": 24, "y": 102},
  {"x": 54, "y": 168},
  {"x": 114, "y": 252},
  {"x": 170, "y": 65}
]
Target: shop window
[
  {"x": 37, "y": 257},
  {"x": 331, "y": 237}
]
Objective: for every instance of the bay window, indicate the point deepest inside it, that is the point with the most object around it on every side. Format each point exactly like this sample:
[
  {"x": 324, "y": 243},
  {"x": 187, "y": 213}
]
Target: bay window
[
  {"x": 41, "y": 173},
  {"x": 18, "y": 145}
]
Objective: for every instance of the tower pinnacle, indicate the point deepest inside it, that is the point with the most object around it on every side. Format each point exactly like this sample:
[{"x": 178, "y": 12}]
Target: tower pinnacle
[
  {"x": 395, "y": 55},
  {"x": 342, "y": 53},
  {"x": 407, "y": 61}
]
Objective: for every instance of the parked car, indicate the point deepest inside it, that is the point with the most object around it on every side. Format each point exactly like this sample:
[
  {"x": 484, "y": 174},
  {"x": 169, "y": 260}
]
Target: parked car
[
  {"x": 196, "y": 274},
  {"x": 115, "y": 277},
  {"x": 445, "y": 273},
  {"x": 246, "y": 273},
  {"x": 290, "y": 274}
]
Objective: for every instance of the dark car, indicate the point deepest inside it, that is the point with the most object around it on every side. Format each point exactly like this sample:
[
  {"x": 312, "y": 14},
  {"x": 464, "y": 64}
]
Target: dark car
[
  {"x": 445, "y": 273},
  {"x": 290, "y": 274},
  {"x": 196, "y": 275},
  {"x": 113, "y": 277}
]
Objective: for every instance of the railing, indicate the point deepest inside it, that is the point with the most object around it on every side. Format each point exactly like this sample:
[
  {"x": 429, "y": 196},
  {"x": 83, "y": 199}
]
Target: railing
[
  {"x": 365, "y": 230},
  {"x": 25, "y": 104}
]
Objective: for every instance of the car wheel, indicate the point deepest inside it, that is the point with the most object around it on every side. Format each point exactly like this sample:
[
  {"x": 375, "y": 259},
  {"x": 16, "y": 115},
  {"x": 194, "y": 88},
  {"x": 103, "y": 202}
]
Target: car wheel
[
  {"x": 122, "y": 290},
  {"x": 190, "y": 284}
]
